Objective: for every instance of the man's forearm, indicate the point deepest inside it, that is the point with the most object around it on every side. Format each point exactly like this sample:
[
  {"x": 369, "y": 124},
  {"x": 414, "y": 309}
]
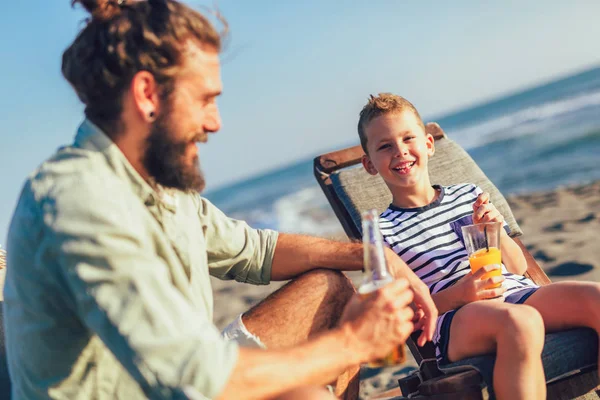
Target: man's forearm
[
  {"x": 296, "y": 254},
  {"x": 264, "y": 374}
]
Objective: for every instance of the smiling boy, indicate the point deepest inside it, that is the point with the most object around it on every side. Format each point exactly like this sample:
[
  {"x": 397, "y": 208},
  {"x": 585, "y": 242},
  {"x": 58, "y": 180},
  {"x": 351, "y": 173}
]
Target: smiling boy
[{"x": 422, "y": 225}]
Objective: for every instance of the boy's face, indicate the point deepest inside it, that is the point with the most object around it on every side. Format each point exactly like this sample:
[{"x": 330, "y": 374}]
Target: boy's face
[{"x": 398, "y": 149}]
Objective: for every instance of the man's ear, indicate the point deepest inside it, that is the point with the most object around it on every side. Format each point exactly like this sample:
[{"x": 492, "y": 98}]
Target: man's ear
[
  {"x": 144, "y": 91},
  {"x": 368, "y": 164},
  {"x": 430, "y": 144}
]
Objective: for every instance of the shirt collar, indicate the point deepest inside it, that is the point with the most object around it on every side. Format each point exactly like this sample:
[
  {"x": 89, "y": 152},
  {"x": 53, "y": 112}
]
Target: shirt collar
[{"x": 91, "y": 137}]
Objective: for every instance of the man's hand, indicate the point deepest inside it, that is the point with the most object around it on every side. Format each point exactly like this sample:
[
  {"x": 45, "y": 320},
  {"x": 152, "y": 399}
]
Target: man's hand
[
  {"x": 473, "y": 287},
  {"x": 424, "y": 308},
  {"x": 370, "y": 327},
  {"x": 484, "y": 211},
  {"x": 296, "y": 254},
  {"x": 381, "y": 320}
]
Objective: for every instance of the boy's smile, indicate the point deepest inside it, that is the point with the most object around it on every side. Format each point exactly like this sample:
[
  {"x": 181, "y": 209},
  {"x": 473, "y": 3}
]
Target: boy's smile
[{"x": 404, "y": 167}]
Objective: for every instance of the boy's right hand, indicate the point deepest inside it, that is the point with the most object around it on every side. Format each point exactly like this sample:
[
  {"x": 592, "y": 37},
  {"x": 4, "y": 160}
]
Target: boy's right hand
[
  {"x": 473, "y": 287},
  {"x": 379, "y": 321}
]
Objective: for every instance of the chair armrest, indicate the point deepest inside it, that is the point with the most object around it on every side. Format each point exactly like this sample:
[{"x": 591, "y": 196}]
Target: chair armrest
[
  {"x": 534, "y": 271},
  {"x": 462, "y": 385}
]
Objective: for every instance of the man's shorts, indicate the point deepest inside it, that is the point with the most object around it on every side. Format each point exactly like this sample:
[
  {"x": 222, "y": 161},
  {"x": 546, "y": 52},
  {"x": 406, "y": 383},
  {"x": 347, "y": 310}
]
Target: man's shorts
[
  {"x": 441, "y": 337},
  {"x": 238, "y": 332}
]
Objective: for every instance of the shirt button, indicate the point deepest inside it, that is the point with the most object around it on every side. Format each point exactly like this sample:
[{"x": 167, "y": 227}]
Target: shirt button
[{"x": 150, "y": 201}]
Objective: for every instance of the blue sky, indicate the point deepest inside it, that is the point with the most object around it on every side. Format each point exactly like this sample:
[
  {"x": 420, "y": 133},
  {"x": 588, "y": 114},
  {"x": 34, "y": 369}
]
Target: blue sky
[{"x": 296, "y": 73}]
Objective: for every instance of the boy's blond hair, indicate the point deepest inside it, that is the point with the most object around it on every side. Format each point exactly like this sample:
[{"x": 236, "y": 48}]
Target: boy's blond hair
[{"x": 382, "y": 104}]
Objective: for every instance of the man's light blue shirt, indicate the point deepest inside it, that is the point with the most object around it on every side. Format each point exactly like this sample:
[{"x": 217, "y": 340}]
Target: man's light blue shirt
[{"x": 107, "y": 290}]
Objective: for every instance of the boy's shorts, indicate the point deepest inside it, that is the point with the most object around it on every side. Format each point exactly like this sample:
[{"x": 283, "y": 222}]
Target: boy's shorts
[{"x": 441, "y": 337}]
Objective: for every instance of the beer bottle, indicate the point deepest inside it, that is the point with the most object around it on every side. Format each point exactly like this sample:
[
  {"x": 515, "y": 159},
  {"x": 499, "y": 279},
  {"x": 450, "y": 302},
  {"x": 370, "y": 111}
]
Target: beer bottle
[{"x": 376, "y": 275}]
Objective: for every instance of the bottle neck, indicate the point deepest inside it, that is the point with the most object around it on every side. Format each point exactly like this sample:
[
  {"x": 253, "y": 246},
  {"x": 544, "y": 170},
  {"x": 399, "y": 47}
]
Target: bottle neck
[{"x": 374, "y": 256}]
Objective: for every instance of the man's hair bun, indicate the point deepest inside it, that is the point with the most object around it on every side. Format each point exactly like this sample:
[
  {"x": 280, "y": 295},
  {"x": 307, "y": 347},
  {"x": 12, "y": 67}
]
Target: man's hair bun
[{"x": 100, "y": 10}]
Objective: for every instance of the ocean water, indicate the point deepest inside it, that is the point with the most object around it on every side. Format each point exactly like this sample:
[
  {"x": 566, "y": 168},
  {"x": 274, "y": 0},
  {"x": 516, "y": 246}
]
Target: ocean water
[{"x": 538, "y": 139}]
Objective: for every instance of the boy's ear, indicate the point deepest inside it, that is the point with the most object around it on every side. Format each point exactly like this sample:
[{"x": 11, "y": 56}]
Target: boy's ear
[
  {"x": 430, "y": 144},
  {"x": 366, "y": 162}
]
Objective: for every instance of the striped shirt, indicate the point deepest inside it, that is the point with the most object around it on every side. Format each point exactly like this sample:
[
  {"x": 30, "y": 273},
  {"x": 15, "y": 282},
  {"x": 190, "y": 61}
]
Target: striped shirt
[{"x": 429, "y": 238}]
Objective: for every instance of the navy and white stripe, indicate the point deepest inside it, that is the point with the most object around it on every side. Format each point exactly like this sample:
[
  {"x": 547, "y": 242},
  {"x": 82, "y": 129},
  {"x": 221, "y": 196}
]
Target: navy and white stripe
[{"x": 429, "y": 240}]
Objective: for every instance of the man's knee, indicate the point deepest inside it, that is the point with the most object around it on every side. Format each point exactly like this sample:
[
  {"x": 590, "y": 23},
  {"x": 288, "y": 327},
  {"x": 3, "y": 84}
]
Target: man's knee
[
  {"x": 333, "y": 288},
  {"x": 522, "y": 329},
  {"x": 334, "y": 282}
]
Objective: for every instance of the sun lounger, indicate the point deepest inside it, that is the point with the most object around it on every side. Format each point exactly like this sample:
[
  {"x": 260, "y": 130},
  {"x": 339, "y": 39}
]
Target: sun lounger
[{"x": 569, "y": 357}]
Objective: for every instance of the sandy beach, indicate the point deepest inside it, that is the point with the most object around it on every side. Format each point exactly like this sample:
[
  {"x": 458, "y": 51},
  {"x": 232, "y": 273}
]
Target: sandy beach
[{"x": 560, "y": 229}]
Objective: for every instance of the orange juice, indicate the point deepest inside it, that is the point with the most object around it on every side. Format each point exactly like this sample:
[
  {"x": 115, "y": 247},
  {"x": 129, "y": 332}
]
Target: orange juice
[
  {"x": 485, "y": 257},
  {"x": 396, "y": 356}
]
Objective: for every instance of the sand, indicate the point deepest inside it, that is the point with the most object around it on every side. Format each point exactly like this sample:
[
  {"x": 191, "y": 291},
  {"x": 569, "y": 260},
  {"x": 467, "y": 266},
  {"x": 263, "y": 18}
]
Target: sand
[{"x": 561, "y": 229}]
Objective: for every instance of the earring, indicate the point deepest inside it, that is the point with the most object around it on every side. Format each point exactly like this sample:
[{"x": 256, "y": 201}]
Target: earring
[{"x": 151, "y": 114}]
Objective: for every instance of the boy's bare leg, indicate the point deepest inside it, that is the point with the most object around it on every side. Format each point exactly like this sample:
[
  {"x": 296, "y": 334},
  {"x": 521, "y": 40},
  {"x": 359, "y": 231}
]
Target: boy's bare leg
[
  {"x": 306, "y": 306},
  {"x": 515, "y": 333},
  {"x": 565, "y": 305}
]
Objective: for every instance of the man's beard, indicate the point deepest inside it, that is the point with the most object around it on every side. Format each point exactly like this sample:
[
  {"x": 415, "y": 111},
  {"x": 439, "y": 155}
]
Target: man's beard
[{"x": 164, "y": 158}]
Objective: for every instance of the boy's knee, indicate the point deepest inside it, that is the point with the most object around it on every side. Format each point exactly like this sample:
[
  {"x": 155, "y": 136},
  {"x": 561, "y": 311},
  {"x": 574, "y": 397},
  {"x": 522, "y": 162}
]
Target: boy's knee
[
  {"x": 523, "y": 327},
  {"x": 591, "y": 294}
]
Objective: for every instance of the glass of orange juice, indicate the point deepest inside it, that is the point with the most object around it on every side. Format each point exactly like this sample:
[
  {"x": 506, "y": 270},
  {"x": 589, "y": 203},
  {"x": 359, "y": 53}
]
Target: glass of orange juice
[{"x": 482, "y": 242}]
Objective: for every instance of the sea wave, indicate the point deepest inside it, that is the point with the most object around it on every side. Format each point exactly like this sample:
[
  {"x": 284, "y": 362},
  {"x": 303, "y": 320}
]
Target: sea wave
[
  {"x": 303, "y": 211},
  {"x": 525, "y": 121},
  {"x": 306, "y": 211}
]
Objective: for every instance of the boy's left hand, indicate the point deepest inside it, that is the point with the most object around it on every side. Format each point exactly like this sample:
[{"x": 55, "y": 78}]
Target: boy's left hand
[{"x": 484, "y": 211}]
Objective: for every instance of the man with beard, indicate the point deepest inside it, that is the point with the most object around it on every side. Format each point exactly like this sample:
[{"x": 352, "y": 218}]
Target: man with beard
[{"x": 111, "y": 246}]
